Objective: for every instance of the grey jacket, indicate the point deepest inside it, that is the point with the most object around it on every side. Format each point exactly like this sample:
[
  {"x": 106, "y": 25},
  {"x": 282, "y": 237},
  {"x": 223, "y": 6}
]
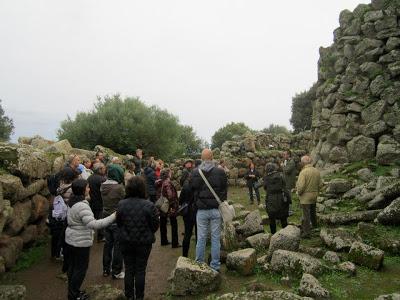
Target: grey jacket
[{"x": 81, "y": 224}]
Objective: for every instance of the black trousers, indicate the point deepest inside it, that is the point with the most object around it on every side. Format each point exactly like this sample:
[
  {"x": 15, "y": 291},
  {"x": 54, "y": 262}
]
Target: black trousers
[
  {"x": 77, "y": 266},
  {"x": 309, "y": 218},
  {"x": 190, "y": 222},
  {"x": 57, "y": 233},
  {"x": 112, "y": 256},
  {"x": 251, "y": 188},
  {"x": 163, "y": 230},
  {"x": 135, "y": 258},
  {"x": 98, "y": 214},
  {"x": 272, "y": 224}
]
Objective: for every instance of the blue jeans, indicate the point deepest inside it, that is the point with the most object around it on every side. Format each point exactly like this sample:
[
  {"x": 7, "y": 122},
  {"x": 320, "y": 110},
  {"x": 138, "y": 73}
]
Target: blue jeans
[{"x": 209, "y": 218}]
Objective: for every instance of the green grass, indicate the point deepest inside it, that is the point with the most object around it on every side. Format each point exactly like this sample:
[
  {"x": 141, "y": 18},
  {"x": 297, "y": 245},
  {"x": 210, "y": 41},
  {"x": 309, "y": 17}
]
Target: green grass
[{"x": 31, "y": 256}]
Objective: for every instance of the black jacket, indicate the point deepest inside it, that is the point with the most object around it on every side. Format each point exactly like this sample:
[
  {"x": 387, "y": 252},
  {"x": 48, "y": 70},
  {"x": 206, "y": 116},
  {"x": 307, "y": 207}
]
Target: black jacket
[
  {"x": 150, "y": 175},
  {"x": 187, "y": 196},
  {"x": 184, "y": 177},
  {"x": 95, "y": 181},
  {"x": 278, "y": 197},
  {"x": 251, "y": 180},
  {"x": 217, "y": 179},
  {"x": 137, "y": 220},
  {"x": 138, "y": 165}
]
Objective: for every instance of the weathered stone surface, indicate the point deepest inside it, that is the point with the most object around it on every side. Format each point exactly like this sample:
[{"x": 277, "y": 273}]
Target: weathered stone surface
[
  {"x": 331, "y": 257},
  {"x": 15, "y": 191},
  {"x": 365, "y": 174},
  {"x": 289, "y": 262},
  {"x": 21, "y": 215},
  {"x": 390, "y": 192},
  {"x": 338, "y": 239},
  {"x": 192, "y": 278},
  {"x": 252, "y": 224},
  {"x": 30, "y": 234},
  {"x": 40, "y": 207},
  {"x": 287, "y": 238},
  {"x": 375, "y": 129},
  {"x": 366, "y": 255},
  {"x": 12, "y": 292},
  {"x": 310, "y": 287},
  {"x": 5, "y": 214},
  {"x": 229, "y": 237},
  {"x": 2, "y": 265},
  {"x": 105, "y": 292},
  {"x": 313, "y": 251},
  {"x": 243, "y": 261},
  {"x": 339, "y": 186},
  {"x": 388, "y": 151},
  {"x": 260, "y": 242},
  {"x": 349, "y": 217},
  {"x": 391, "y": 214},
  {"x": 368, "y": 232},
  {"x": 348, "y": 267},
  {"x": 353, "y": 192},
  {"x": 395, "y": 296},
  {"x": 372, "y": 16},
  {"x": 10, "y": 249},
  {"x": 264, "y": 295},
  {"x": 62, "y": 146},
  {"x": 361, "y": 146}
]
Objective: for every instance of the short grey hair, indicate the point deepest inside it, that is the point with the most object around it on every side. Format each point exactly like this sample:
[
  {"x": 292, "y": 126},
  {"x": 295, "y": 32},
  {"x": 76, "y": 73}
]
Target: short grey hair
[
  {"x": 306, "y": 160},
  {"x": 97, "y": 167}
]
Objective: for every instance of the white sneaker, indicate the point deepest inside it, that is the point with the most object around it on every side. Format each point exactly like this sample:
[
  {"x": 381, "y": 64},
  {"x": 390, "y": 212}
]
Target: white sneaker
[{"x": 119, "y": 276}]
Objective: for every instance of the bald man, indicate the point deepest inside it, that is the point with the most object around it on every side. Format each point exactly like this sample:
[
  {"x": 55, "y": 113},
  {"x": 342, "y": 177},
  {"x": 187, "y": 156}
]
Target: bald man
[
  {"x": 208, "y": 215},
  {"x": 308, "y": 186}
]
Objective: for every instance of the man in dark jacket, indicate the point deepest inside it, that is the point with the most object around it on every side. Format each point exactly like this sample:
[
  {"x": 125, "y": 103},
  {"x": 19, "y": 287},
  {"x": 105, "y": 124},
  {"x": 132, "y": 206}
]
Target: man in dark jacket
[
  {"x": 137, "y": 160},
  {"x": 252, "y": 177},
  {"x": 150, "y": 175},
  {"x": 96, "y": 202},
  {"x": 208, "y": 215},
  {"x": 112, "y": 191},
  {"x": 187, "y": 169}
]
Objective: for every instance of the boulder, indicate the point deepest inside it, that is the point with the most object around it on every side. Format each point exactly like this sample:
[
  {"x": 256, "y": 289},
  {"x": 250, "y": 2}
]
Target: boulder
[
  {"x": 310, "y": 287},
  {"x": 105, "y": 292},
  {"x": 395, "y": 296},
  {"x": 30, "y": 234},
  {"x": 331, "y": 257},
  {"x": 15, "y": 191},
  {"x": 25, "y": 160},
  {"x": 388, "y": 151},
  {"x": 40, "y": 207},
  {"x": 391, "y": 214},
  {"x": 338, "y": 239},
  {"x": 242, "y": 214},
  {"x": 2, "y": 265},
  {"x": 10, "y": 249},
  {"x": 12, "y": 292},
  {"x": 229, "y": 237},
  {"x": 192, "y": 278},
  {"x": 62, "y": 146},
  {"x": 349, "y": 217},
  {"x": 260, "y": 242},
  {"x": 365, "y": 174},
  {"x": 5, "y": 214},
  {"x": 287, "y": 238},
  {"x": 389, "y": 192},
  {"x": 347, "y": 267},
  {"x": 366, "y": 255},
  {"x": 21, "y": 215},
  {"x": 243, "y": 261},
  {"x": 289, "y": 262},
  {"x": 361, "y": 146},
  {"x": 353, "y": 193},
  {"x": 252, "y": 224},
  {"x": 262, "y": 295},
  {"x": 339, "y": 186},
  {"x": 368, "y": 232},
  {"x": 313, "y": 251}
]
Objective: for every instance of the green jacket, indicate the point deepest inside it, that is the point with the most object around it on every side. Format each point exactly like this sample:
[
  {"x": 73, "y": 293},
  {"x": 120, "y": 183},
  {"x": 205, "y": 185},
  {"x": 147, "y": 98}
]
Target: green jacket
[
  {"x": 290, "y": 172},
  {"x": 308, "y": 185}
]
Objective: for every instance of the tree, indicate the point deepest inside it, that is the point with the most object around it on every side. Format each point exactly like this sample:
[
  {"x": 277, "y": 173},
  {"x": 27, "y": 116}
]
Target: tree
[
  {"x": 127, "y": 124},
  {"x": 6, "y": 125},
  {"x": 227, "y": 132},
  {"x": 189, "y": 143},
  {"x": 302, "y": 109},
  {"x": 276, "y": 129}
]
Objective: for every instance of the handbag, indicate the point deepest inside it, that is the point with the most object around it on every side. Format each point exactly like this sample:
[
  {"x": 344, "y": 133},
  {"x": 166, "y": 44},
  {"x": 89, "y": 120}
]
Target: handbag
[
  {"x": 162, "y": 202},
  {"x": 227, "y": 211}
]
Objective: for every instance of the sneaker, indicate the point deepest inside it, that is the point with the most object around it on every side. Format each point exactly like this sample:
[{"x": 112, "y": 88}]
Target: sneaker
[
  {"x": 106, "y": 273},
  {"x": 119, "y": 275}
]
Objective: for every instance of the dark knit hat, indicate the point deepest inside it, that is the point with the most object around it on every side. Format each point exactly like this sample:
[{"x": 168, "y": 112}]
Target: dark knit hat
[{"x": 115, "y": 172}]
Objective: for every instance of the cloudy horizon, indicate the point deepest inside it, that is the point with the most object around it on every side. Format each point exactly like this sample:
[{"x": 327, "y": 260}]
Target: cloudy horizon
[{"x": 208, "y": 62}]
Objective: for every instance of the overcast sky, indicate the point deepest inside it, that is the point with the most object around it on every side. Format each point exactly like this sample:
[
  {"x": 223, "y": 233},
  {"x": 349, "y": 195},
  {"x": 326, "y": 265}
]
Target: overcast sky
[{"x": 209, "y": 62}]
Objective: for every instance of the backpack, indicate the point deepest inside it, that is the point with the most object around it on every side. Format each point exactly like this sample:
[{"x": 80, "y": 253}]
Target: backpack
[{"x": 60, "y": 208}]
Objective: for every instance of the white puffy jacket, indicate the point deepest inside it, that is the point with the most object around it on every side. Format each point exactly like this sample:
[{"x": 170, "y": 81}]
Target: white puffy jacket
[{"x": 81, "y": 224}]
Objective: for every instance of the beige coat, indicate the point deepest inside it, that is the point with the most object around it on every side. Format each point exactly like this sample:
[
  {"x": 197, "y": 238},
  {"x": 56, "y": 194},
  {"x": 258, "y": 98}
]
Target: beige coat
[{"x": 308, "y": 185}]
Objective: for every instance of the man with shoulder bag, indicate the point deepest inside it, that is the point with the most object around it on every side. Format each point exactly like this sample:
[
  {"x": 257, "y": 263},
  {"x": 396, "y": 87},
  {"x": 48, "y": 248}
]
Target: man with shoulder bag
[{"x": 209, "y": 184}]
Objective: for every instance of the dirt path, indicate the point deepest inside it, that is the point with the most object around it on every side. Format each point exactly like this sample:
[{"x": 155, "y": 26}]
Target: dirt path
[{"x": 42, "y": 284}]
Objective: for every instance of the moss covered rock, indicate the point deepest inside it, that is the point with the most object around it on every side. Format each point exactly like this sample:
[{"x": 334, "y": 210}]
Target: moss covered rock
[{"x": 366, "y": 255}]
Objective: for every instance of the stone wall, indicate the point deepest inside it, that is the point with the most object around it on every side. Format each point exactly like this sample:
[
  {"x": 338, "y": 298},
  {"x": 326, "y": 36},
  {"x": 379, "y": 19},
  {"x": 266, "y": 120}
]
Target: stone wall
[{"x": 357, "y": 112}]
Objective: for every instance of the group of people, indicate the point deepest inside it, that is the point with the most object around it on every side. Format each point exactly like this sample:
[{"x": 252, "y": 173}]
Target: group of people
[{"x": 121, "y": 205}]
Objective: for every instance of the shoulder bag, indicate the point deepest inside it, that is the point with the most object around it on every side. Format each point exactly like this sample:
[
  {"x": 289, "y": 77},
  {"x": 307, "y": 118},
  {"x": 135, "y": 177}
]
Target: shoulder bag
[{"x": 162, "y": 202}]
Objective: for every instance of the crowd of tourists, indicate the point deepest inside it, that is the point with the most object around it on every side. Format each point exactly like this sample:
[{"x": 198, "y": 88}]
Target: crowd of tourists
[{"x": 127, "y": 204}]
